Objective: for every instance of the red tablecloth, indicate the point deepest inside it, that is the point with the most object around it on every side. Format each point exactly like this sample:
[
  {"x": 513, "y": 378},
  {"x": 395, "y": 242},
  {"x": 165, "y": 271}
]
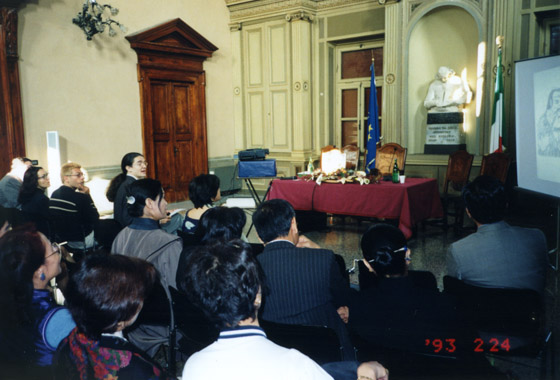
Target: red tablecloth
[{"x": 411, "y": 202}]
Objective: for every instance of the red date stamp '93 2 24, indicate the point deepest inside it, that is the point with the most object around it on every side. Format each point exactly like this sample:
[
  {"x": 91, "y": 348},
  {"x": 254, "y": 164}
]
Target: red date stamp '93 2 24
[{"x": 479, "y": 345}]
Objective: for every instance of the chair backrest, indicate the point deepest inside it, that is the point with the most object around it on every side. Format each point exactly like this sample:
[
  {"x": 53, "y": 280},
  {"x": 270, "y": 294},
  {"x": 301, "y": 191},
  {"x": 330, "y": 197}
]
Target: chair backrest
[
  {"x": 196, "y": 330},
  {"x": 385, "y": 157},
  {"x": 352, "y": 156},
  {"x": 496, "y": 165},
  {"x": 497, "y": 313},
  {"x": 458, "y": 170},
  {"x": 320, "y": 343}
]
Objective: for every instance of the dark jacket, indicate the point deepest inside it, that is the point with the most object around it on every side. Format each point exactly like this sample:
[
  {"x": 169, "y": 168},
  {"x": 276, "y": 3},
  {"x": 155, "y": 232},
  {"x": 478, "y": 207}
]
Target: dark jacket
[{"x": 74, "y": 213}]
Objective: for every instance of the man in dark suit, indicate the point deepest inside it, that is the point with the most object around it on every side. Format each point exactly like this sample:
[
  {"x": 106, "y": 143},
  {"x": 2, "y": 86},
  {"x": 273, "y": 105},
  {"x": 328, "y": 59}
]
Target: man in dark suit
[
  {"x": 305, "y": 285},
  {"x": 497, "y": 255}
]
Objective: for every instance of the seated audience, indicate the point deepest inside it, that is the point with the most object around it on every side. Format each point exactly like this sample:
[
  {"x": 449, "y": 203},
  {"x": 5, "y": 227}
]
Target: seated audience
[
  {"x": 134, "y": 167},
  {"x": 497, "y": 255},
  {"x": 203, "y": 191},
  {"x": 225, "y": 281},
  {"x": 11, "y": 182},
  {"x": 105, "y": 296},
  {"x": 397, "y": 313},
  {"x": 219, "y": 223},
  {"x": 72, "y": 209},
  {"x": 304, "y": 281},
  {"x": 31, "y": 323},
  {"x": 144, "y": 239},
  {"x": 33, "y": 201}
]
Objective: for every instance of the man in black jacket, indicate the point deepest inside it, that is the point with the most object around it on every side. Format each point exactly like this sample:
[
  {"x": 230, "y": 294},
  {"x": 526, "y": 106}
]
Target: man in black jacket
[
  {"x": 73, "y": 210},
  {"x": 305, "y": 285}
]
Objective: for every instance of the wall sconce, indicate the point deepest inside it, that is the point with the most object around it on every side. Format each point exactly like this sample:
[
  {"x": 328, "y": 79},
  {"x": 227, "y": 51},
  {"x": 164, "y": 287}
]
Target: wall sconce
[{"x": 92, "y": 21}]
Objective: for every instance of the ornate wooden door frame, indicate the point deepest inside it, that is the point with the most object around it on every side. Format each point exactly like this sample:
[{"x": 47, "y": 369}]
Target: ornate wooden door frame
[
  {"x": 172, "y": 50},
  {"x": 11, "y": 120}
]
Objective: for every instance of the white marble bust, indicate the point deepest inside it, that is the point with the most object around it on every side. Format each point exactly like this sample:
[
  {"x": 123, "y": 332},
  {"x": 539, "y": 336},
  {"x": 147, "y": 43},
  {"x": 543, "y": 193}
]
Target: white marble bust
[{"x": 448, "y": 92}]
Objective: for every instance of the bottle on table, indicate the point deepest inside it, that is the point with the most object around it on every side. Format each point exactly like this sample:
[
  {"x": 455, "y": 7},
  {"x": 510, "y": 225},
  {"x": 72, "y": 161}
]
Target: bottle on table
[
  {"x": 396, "y": 172},
  {"x": 310, "y": 167}
]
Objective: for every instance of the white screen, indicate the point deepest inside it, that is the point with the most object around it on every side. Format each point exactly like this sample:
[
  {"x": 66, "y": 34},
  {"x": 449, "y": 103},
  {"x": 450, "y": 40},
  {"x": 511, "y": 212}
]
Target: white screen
[{"x": 537, "y": 120}]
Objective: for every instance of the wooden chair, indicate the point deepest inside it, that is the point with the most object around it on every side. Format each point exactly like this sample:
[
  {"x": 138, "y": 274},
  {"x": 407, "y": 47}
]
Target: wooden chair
[
  {"x": 385, "y": 158},
  {"x": 457, "y": 176},
  {"x": 496, "y": 165},
  {"x": 352, "y": 156}
]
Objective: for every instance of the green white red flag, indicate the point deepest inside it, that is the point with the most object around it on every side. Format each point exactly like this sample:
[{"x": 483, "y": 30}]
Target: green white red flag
[{"x": 496, "y": 133}]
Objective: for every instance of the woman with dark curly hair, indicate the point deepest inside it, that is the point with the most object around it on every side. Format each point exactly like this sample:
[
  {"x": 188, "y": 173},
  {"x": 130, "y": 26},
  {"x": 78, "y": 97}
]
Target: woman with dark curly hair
[
  {"x": 33, "y": 201},
  {"x": 31, "y": 323},
  {"x": 105, "y": 296}
]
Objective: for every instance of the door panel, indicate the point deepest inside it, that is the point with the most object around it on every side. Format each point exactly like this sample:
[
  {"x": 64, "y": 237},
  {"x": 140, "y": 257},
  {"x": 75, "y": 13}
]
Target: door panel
[{"x": 175, "y": 135}]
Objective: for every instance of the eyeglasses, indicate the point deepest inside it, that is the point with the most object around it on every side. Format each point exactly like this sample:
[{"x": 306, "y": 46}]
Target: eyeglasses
[
  {"x": 56, "y": 249},
  {"x": 46, "y": 175}
]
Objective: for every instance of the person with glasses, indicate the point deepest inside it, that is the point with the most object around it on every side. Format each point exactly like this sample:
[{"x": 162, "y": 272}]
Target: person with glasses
[
  {"x": 34, "y": 203},
  {"x": 31, "y": 323},
  {"x": 72, "y": 209},
  {"x": 134, "y": 167}
]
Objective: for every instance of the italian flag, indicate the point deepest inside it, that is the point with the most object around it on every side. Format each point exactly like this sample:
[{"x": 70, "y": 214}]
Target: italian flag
[{"x": 496, "y": 144}]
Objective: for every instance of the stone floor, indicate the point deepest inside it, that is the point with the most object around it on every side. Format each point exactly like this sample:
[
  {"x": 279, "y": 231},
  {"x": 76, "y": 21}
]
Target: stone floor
[{"x": 429, "y": 246}]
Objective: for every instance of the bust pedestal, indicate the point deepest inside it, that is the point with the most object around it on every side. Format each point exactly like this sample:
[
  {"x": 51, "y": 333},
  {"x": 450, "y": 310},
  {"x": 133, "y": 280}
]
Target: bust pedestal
[{"x": 444, "y": 133}]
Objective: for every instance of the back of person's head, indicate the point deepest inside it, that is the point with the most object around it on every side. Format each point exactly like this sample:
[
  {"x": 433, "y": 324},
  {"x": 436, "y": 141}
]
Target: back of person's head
[
  {"x": 127, "y": 160},
  {"x": 223, "y": 279},
  {"x": 19, "y": 166},
  {"x": 382, "y": 247},
  {"x": 108, "y": 289},
  {"x": 220, "y": 223},
  {"x": 273, "y": 219},
  {"x": 139, "y": 191},
  {"x": 203, "y": 188},
  {"x": 486, "y": 200},
  {"x": 22, "y": 252},
  {"x": 30, "y": 184},
  {"x": 66, "y": 169}
]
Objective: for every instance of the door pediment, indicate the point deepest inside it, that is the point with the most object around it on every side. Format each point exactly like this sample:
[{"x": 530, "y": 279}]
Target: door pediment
[{"x": 174, "y": 37}]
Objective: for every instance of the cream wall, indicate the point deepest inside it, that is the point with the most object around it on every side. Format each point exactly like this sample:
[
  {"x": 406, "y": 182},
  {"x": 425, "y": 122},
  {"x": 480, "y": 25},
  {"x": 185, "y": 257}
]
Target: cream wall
[
  {"x": 446, "y": 36},
  {"x": 88, "y": 90}
]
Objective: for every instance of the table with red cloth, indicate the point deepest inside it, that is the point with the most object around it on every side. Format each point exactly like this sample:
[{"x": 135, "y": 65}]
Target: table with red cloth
[{"x": 411, "y": 202}]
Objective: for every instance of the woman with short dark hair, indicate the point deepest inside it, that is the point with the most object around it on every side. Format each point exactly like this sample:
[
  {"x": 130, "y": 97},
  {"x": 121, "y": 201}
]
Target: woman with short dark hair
[
  {"x": 31, "y": 323},
  {"x": 33, "y": 201},
  {"x": 105, "y": 296},
  {"x": 203, "y": 191},
  {"x": 216, "y": 224}
]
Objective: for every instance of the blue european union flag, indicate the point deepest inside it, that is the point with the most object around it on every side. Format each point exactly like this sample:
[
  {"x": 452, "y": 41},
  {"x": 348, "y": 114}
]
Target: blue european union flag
[{"x": 373, "y": 124}]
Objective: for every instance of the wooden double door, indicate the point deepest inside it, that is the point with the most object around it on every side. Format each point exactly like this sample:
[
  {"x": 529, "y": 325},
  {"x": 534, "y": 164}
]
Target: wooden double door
[
  {"x": 174, "y": 129},
  {"x": 173, "y": 103}
]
